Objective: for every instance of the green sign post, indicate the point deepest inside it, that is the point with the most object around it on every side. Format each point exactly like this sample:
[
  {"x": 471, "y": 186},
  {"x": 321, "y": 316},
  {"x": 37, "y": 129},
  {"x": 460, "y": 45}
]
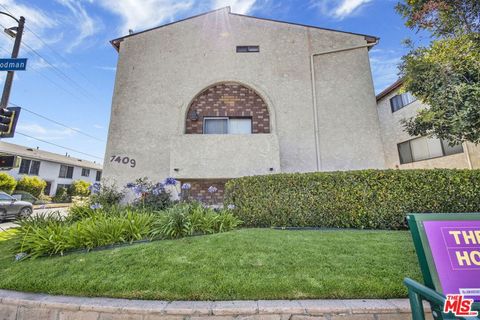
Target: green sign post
[{"x": 448, "y": 250}]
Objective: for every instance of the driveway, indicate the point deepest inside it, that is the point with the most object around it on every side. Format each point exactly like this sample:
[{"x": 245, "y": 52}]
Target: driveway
[{"x": 11, "y": 223}]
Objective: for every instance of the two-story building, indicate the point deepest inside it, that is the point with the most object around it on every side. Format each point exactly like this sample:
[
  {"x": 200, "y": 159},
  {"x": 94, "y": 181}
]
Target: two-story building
[
  {"x": 223, "y": 95},
  {"x": 56, "y": 169},
  {"x": 406, "y": 152}
]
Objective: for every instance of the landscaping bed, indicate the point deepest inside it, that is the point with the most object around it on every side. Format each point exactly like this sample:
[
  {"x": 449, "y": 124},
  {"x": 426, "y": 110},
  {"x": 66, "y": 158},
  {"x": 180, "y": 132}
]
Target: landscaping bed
[{"x": 242, "y": 264}]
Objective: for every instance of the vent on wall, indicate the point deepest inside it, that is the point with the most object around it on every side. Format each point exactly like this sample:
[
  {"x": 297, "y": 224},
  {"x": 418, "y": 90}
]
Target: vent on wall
[{"x": 248, "y": 48}]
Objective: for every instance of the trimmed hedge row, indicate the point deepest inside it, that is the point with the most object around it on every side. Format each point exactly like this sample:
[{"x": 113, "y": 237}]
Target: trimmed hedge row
[{"x": 373, "y": 199}]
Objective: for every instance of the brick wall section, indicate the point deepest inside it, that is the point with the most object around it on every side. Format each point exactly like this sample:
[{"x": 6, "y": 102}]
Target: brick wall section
[
  {"x": 199, "y": 190},
  {"x": 228, "y": 100}
]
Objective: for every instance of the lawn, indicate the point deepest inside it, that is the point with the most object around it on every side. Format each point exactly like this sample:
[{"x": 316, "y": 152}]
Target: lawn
[{"x": 242, "y": 264}]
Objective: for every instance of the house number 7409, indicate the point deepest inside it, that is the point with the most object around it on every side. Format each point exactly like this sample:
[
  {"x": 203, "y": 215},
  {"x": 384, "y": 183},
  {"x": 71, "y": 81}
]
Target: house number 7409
[{"x": 124, "y": 160}]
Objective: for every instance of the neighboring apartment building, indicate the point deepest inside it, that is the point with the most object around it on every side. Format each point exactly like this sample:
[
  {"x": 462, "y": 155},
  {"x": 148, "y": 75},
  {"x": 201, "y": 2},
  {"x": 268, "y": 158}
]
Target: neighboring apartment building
[
  {"x": 57, "y": 170},
  {"x": 223, "y": 95},
  {"x": 406, "y": 152}
]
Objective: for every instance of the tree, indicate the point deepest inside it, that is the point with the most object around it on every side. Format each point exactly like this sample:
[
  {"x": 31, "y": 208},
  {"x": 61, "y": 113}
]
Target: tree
[
  {"x": 445, "y": 75},
  {"x": 443, "y": 18}
]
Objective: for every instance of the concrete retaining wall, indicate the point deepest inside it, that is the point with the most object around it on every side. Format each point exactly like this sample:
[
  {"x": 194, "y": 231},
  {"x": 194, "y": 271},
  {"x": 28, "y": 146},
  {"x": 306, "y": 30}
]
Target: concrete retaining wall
[{"x": 23, "y": 306}]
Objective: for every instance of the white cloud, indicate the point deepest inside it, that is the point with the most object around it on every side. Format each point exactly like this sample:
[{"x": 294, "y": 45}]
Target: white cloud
[
  {"x": 106, "y": 68},
  {"x": 80, "y": 19},
  {"x": 237, "y": 6},
  {"x": 339, "y": 9},
  {"x": 35, "y": 19},
  {"x": 97, "y": 126},
  {"x": 41, "y": 132},
  {"x": 147, "y": 14}
]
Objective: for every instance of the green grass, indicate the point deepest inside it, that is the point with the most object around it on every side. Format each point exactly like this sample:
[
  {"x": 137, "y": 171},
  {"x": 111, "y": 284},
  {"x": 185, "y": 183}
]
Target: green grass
[{"x": 243, "y": 264}]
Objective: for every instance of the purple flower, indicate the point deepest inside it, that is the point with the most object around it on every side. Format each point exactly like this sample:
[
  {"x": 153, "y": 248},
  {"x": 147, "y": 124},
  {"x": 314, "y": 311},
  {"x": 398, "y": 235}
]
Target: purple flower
[
  {"x": 186, "y": 186},
  {"x": 94, "y": 188},
  {"x": 212, "y": 189},
  {"x": 170, "y": 181},
  {"x": 96, "y": 206},
  {"x": 130, "y": 185}
]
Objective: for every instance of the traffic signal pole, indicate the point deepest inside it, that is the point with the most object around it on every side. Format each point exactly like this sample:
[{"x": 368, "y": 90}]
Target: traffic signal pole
[{"x": 16, "y": 49}]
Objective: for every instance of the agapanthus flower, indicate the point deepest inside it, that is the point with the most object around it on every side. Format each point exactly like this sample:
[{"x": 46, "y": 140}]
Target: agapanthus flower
[
  {"x": 130, "y": 185},
  {"x": 212, "y": 189},
  {"x": 186, "y": 186},
  {"x": 96, "y": 206},
  {"x": 170, "y": 181},
  {"x": 94, "y": 188}
]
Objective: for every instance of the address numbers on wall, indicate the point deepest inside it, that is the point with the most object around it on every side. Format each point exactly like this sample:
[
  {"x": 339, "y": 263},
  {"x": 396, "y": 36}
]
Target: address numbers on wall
[{"x": 124, "y": 160}]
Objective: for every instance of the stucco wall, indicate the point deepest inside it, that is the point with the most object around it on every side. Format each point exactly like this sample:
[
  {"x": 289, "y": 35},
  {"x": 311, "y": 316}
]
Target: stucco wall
[
  {"x": 392, "y": 133},
  {"x": 159, "y": 73}
]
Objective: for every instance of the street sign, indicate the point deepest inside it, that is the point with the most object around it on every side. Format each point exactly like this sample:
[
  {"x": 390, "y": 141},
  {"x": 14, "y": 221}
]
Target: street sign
[
  {"x": 13, "y": 64},
  {"x": 448, "y": 248}
]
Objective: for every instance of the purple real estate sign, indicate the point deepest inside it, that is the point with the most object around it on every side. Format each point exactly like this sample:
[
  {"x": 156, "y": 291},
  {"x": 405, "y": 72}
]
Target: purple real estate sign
[{"x": 455, "y": 247}]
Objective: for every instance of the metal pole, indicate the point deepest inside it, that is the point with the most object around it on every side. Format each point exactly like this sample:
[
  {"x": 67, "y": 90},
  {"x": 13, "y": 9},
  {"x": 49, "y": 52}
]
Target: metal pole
[{"x": 16, "y": 48}]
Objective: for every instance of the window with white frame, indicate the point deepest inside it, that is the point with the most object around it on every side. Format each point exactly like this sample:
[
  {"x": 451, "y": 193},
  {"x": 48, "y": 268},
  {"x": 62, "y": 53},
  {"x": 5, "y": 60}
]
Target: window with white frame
[
  {"x": 401, "y": 100},
  {"x": 29, "y": 167},
  {"x": 225, "y": 125},
  {"x": 85, "y": 172},
  {"x": 66, "y": 172},
  {"x": 424, "y": 148}
]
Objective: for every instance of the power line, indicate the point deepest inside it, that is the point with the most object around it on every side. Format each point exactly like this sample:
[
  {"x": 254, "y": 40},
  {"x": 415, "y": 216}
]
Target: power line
[
  {"x": 57, "y": 145},
  {"x": 57, "y": 123},
  {"x": 43, "y": 75}
]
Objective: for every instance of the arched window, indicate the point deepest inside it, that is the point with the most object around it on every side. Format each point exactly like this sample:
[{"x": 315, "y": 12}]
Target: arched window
[{"x": 227, "y": 108}]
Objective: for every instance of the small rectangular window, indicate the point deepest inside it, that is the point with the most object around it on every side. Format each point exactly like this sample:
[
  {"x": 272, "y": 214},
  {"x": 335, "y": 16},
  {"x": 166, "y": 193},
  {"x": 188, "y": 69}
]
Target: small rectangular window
[
  {"x": 98, "y": 176},
  {"x": 405, "y": 152},
  {"x": 248, "y": 48},
  {"x": 239, "y": 125},
  {"x": 85, "y": 172},
  {"x": 35, "y": 168},
  {"x": 215, "y": 126},
  {"x": 66, "y": 172},
  {"x": 449, "y": 150},
  {"x": 24, "y": 166},
  {"x": 401, "y": 100}
]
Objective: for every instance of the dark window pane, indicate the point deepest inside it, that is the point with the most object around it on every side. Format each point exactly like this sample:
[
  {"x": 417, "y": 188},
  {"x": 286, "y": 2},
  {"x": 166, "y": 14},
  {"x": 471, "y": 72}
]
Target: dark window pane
[
  {"x": 24, "y": 166},
  {"x": 242, "y": 49},
  {"x": 63, "y": 171},
  {"x": 405, "y": 152},
  {"x": 70, "y": 172},
  {"x": 448, "y": 149},
  {"x": 99, "y": 176},
  {"x": 85, "y": 172},
  {"x": 35, "y": 168}
]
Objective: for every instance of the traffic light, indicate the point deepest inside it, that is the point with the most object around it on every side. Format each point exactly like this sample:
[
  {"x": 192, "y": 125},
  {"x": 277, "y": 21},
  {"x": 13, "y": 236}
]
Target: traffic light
[
  {"x": 8, "y": 121},
  {"x": 9, "y": 162}
]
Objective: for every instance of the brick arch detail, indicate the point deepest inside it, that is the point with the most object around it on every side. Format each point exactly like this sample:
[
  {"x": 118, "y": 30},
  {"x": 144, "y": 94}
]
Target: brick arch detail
[{"x": 228, "y": 99}]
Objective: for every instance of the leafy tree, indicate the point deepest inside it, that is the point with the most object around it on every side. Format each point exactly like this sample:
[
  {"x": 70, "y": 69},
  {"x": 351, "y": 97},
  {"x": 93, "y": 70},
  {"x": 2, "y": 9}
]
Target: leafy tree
[
  {"x": 443, "y": 18},
  {"x": 445, "y": 75},
  {"x": 7, "y": 182}
]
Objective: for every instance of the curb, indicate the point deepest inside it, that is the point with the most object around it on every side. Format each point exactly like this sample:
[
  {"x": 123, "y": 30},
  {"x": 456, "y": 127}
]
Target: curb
[{"x": 21, "y": 306}]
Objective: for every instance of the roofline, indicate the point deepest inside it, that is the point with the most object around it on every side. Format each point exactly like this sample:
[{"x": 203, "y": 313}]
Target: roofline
[
  {"x": 397, "y": 84},
  {"x": 116, "y": 42}
]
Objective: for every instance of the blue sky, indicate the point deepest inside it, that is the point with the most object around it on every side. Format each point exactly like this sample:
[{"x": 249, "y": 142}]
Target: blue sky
[{"x": 71, "y": 69}]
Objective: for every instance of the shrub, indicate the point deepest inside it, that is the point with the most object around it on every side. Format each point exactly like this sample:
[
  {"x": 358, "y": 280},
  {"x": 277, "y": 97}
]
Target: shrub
[
  {"x": 31, "y": 184},
  {"x": 105, "y": 194},
  {"x": 61, "y": 196},
  {"x": 79, "y": 188},
  {"x": 149, "y": 195},
  {"x": 50, "y": 235},
  {"x": 352, "y": 199},
  {"x": 7, "y": 183}
]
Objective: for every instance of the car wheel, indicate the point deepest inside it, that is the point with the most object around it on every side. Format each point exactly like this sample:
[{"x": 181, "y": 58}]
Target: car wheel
[{"x": 24, "y": 213}]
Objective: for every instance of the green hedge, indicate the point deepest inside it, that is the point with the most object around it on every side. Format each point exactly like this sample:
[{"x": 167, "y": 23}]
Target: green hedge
[
  {"x": 31, "y": 184},
  {"x": 351, "y": 199},
  {"x": 7, "y": 182}
]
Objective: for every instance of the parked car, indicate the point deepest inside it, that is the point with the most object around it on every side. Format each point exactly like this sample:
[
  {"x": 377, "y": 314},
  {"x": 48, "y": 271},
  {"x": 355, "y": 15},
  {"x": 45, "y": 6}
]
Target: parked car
[
  {"x": 11, "y": 208},
  {"x": 25, "y": 196}
]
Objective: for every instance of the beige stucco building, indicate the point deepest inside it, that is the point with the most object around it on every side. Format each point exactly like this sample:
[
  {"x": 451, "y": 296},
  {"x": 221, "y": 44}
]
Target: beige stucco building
[
  {"x": 406, "y": 152},
  {"x": 223, "y": 95}
]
